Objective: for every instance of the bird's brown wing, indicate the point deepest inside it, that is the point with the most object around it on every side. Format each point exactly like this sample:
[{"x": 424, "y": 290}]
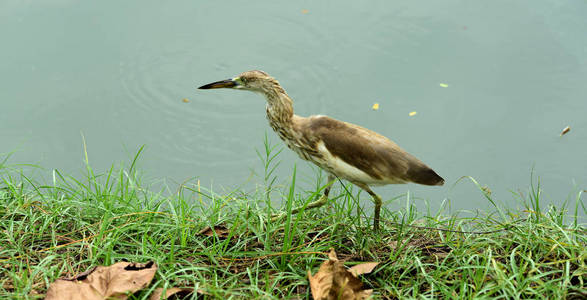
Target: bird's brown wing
[{"x": 369, "y": 151}]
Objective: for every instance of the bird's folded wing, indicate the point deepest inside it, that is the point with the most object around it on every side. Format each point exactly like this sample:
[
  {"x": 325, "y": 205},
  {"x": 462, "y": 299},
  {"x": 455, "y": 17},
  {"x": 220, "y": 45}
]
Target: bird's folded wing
[{"x": 370, "y": 152}]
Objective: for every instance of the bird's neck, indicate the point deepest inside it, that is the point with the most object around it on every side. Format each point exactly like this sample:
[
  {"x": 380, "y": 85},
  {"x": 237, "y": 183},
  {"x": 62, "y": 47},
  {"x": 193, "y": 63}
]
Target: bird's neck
[{"x": 280, "y": 112}]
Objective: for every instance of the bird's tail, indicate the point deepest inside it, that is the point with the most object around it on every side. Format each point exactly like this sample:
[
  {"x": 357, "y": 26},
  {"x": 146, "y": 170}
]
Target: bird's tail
[{"x": 425, "y": 175}]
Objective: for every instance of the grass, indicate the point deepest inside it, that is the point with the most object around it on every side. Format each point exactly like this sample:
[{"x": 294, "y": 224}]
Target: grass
[{"x": 61, "y": 228}]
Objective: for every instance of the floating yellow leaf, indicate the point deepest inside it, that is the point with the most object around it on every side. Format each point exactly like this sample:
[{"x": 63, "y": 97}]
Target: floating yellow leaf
[
  {"x": 375, "y": 106},
  {"x": 486, "y": 190},
  {"x": 565, "y": 130},
  {"x": 413, "y": 113},
  {"x": 305, "y": 11},
  {"x": 444, "y": 85},
  {"x": 185, "y": 100}
]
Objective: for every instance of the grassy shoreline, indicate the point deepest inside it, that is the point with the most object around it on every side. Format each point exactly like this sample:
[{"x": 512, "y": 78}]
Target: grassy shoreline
[{"x": 63, "y": 228}]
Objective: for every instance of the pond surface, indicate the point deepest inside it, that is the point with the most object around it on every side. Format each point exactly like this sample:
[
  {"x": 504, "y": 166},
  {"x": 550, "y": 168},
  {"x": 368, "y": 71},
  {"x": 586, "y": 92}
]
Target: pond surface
[{"x": 493, "y": 83}]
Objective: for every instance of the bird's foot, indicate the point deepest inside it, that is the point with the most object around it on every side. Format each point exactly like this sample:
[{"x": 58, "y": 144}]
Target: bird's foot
[
  {"x": 321, "y": 201},
  {"x": 276, "y": 217},
  {"x": 375, "y": 225}
]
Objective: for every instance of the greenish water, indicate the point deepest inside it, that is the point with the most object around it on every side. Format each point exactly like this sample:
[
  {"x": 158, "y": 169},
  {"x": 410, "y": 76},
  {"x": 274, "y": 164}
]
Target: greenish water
[{"x": 117, "y": 72}]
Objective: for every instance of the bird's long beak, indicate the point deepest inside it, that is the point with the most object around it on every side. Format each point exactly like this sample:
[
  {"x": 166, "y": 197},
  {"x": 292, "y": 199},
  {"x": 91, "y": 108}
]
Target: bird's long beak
[{"x": 228, "y": 83}]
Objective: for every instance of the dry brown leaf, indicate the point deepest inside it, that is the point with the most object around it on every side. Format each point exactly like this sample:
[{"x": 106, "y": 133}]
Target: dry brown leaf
[
  {"x": 565, "y": 130},
  {"x": 440, "y": 254},
  {"x": 113, "y": 282},
  {"x": 219, "y": 230},
  {"x": 364, "y": 268},
  {"x": 177, "y": 293},
  {"x": 393, "y": 245},
  {"x": 333, "y": 281}
]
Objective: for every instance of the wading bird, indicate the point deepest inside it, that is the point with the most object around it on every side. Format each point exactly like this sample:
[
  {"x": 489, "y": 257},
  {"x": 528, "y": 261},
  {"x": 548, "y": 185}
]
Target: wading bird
[{"x": 344, "y": 150}]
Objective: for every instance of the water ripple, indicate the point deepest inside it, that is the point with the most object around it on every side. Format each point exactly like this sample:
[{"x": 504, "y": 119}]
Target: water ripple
[{"x": 156, "y": 84}]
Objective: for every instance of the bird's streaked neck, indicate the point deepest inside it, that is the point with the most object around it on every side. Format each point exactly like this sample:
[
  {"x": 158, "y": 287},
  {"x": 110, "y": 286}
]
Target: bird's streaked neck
[{"x": 279, "y": 109}]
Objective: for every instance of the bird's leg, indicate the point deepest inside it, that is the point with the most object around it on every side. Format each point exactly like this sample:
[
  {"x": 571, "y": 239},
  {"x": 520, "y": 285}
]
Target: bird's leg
[
  {"x": 378, "y": 203},
  {"x": 323, "y": 199}
]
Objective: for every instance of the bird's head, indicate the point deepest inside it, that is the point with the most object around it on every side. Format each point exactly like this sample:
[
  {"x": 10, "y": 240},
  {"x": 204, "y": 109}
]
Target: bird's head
[{"x": 256, "y": 81}]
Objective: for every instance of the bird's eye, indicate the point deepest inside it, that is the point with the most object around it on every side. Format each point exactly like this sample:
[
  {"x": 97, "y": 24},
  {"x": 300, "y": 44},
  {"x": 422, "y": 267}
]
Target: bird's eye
[{"x": 239, "y": 80}]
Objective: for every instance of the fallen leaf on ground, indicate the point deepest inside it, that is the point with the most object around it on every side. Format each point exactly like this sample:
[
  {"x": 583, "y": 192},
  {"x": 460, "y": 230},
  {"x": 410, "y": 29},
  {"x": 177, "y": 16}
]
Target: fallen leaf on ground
[
  {"x": 375, "y": 106},
  {"x": 444, "y": 85},
  {"x": 219, "y": 230},
  {"x": 413, "y": 113},
  {"x": 185, "y": 100},
  {"x": 565, "y": 130},
  {"x": 364, "y": 268},
  {"x": 104, "y": 282},
  {"x": 333, "y": 281},
  {"x": 440, "y": 255},
  {"x": 177, "y": 293},
  {"x": 393, "y": 245}
]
